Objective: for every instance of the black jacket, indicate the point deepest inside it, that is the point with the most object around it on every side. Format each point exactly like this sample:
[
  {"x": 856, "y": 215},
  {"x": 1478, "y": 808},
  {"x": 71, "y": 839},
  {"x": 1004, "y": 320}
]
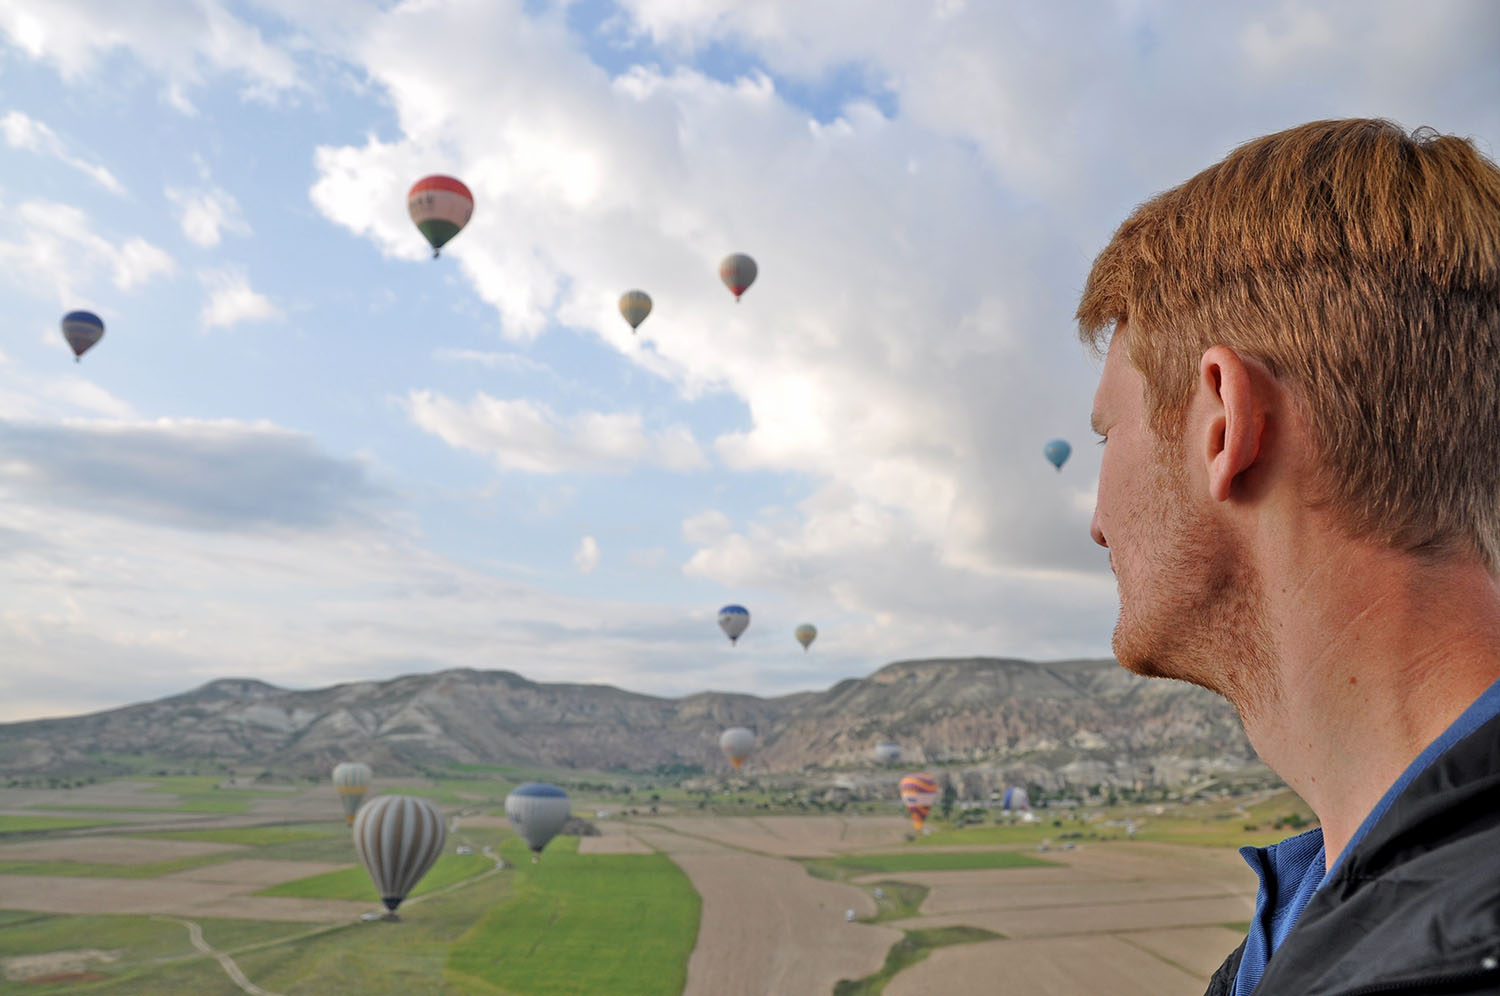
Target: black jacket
[{"x": 1415, "y": 907}]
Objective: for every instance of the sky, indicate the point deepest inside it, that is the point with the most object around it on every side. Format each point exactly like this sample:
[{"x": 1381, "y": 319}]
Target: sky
[{"x": 309, "y": 453}]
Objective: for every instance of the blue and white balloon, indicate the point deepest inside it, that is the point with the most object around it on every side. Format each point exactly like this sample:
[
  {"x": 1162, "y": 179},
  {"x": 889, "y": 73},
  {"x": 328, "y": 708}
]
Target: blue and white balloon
[{"x": 734, "y": 620}]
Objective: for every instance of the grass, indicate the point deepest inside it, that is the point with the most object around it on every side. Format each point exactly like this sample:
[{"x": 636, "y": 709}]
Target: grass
[
  {"x": 155, "y": 955},
  {"x": 140, "y": 937},
  {"x": 898, "y": 900},
  {"x": 86, "y": 869},
  {"x": 912, "y": 948},
  {"x": 354, "y": 882},
  {"x": 201, "y": 794},
  {"x": 247, "y": 836},
  {"x": 9, "y": 917},
  {"x": 623, "y": 924},
  {"x": 902, "y": 861},
  {"x": 901, "y": 900},
  {"x": 379, "y": 959},
  {"x": 39, "y": 824},
  {"x": 1020, "y": 833}
]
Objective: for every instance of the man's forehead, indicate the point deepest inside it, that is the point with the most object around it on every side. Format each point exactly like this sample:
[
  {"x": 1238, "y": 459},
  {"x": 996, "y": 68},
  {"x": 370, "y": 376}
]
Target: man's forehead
[{"x": 1116, "y": 363}]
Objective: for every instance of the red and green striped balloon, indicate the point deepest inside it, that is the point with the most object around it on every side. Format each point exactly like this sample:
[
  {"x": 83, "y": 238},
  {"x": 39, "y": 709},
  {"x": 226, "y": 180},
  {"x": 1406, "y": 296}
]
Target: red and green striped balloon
[{"x": 441, "y": 207}]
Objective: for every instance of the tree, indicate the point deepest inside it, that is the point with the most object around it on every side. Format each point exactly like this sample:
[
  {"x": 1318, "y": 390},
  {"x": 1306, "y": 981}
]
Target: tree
[{"x": 950, "y": 796}]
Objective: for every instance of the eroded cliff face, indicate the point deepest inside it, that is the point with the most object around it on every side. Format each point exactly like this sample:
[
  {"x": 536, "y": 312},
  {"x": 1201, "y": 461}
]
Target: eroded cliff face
[{"x": 1091, "y": 716}]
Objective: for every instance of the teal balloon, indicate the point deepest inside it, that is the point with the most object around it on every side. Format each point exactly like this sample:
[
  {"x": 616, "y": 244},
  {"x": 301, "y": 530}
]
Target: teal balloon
[{"x": 1057, "y": 452}]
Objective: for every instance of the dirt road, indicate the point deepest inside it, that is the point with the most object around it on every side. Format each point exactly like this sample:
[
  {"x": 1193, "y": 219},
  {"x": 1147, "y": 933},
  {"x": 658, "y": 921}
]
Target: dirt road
[{"x": 768, "y": 926}]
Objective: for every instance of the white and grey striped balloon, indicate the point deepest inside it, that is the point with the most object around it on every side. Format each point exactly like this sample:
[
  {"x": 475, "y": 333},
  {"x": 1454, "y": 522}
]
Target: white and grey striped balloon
[
  {"x": 397, "y": 838},
  {"x": 351, "y": 779}
]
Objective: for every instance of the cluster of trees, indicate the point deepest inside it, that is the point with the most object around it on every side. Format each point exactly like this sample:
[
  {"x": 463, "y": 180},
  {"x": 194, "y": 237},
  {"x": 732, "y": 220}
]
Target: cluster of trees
[{"x": 48, "y": 781}]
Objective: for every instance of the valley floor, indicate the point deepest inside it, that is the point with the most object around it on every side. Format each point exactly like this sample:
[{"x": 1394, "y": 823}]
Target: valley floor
[{"x": 92, "y": 879}]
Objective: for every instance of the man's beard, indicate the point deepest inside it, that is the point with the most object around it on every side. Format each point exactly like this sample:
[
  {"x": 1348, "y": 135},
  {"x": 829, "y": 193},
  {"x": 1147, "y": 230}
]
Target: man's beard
[{"x": 1202, "y": 619}]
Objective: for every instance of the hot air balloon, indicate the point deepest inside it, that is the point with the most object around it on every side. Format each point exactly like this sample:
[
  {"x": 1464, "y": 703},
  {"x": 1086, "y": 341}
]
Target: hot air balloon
[
  {"x": 441, "y": 207},
  {"x": 83, "y": 330},
  {"x": 1057, "y": 452},
  {"x": 738, "y": 273},
  {"x": 537, "y": 811},
  {"x": 397, "y": 838},
  {"x": 635, "y": 306},
  {"x": 1015, "y": 799},
  {"x": 888, "y": 752},
  {"x": 351, "y": 779},
  {"x": 734, "y": 620},
  {"x": 918, "y": 793},
  {"x": 736, "y": 743},
  {"x": 806, "y": 634}
]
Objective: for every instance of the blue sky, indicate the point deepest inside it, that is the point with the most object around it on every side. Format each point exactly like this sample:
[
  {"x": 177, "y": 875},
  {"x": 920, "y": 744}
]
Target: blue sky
[{"x": 308, "y": 453}]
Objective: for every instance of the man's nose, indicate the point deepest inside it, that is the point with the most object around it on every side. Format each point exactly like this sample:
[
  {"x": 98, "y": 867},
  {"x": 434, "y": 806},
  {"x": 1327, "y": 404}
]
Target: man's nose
[{"x": 1096, "y": 530}]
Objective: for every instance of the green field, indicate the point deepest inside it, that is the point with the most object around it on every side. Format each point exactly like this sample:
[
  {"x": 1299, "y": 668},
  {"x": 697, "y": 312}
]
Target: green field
[
  {"x": 39, "y": 824},
  {"x": 903, "y": 861},
  {"x": 147, "y": 951},
  {"x": 916, "y": 945},
  {"x": 85, "y": 869},
  {"x": 901, "y": 900},
  {"x": 1019, "y": 834},
  {"x": 248, "y": 836},
  {"x": 550, "y": 938},
  {"x": 574, "y": 923},
  {"x": 354, "y": 882}
]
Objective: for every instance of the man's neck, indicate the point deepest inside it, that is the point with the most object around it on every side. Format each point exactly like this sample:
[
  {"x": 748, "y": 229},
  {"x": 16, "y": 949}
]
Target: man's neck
[{"x": 1377, "y": 653}]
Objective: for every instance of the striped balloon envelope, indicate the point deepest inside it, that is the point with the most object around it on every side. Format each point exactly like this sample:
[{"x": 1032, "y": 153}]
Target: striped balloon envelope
[
  {"x": 738, "y": 273},
  {"x": 440, "y": 206},
  {"x": 635, "y": 305},
  {"x": 397, "y": 838},
  {"x": 83, "y": 330},
  {"x": 351, "y": 780},
  {"x": 918, "y": 793}
]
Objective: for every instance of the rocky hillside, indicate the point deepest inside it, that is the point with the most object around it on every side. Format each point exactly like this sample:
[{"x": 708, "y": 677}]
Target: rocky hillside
[{"x": 1084, "y": 721}]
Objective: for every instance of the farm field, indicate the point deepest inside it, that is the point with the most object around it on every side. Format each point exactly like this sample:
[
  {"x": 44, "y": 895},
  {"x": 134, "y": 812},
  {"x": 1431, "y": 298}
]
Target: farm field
[{"x": 184, "y": 885}]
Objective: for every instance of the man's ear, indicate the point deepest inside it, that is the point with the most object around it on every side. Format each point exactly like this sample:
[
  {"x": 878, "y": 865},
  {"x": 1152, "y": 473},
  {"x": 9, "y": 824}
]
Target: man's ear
[{"x": 1236, "y": 424}]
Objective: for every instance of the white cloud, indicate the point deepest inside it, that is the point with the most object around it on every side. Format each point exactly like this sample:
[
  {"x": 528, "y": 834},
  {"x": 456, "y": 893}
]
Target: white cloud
[
  {"x": 890, "y": 378},
  {"x": 169, "y": 608},
  {"x": 586, "y": 557},
  {"x": 24, "y": 132},
  {"x": 184, "y": 473},
  {"x": 528, "y": 436},
  {"x": 181, "y": 41},
  {"x": 231, "y": 299},
  {"x": 59, "y": 250},
  {"x": 205, "y": 214},
  {"x": 908, "y": 347},
  {"x": 28, "y": 394}
]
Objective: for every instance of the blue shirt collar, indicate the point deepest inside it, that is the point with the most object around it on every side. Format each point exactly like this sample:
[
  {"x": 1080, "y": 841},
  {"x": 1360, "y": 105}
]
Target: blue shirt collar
[{"x": 1292, "y": 871}]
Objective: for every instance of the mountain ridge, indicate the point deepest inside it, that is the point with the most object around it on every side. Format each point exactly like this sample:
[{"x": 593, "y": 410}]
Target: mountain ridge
[{"x": 1077, "y": 720}]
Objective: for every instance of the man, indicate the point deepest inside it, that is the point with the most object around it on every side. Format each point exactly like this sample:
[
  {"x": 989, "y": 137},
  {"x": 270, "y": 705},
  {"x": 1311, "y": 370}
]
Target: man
[{"x": 1300, "y": 494}]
